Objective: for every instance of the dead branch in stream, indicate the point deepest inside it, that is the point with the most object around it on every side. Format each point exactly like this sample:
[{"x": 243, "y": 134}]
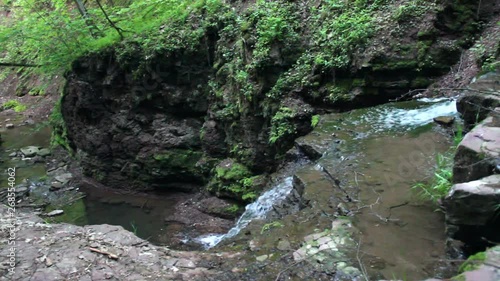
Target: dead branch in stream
[
  {"x": 361, "y": 265},
  {"x": 380, "y": 217}
]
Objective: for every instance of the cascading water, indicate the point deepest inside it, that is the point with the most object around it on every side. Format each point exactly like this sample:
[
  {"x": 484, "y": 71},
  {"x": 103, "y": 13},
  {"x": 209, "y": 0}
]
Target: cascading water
[{"x": 256, "y": 210}]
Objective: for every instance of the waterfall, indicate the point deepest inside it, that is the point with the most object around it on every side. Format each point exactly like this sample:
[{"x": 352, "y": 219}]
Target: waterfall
[{"x": 256, "y": 210}]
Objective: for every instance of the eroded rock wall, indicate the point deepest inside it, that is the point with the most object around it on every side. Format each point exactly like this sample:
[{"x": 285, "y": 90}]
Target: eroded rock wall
[{"x": 164, "y": 119}]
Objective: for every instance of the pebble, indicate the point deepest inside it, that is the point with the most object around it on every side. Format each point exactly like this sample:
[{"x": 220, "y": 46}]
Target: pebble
[
  {"x": 9, "y": 126},
  {"x": 262, "y": 258},
  {"x": 55, "y": 213}
]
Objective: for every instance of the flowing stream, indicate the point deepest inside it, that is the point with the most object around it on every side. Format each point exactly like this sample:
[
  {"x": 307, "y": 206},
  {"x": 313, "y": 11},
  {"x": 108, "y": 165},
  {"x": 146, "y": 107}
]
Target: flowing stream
[
  {"x": 393, "y": 146},
  {"x": 255, "y": 210}
]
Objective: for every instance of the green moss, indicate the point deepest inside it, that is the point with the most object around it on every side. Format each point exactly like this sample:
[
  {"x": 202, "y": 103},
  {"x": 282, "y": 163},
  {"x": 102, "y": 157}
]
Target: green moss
[
  {"x": 59, "y": 135},
  {"x": 233, "y": 173},
  {"x": 178, "y": 158},
  {"x": 282, "y": 125},
  {"x": 473, "y": 262}
]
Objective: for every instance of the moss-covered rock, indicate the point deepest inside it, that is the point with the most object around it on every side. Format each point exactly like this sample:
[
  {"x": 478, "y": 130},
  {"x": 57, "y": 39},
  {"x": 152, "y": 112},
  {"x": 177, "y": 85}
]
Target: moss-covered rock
[{"x": 234, "y": 180}]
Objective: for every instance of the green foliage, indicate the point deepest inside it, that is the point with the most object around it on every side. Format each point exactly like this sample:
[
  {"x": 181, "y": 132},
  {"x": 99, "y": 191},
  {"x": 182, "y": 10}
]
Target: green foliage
[
  {"x": 337, "y": 30},
  {"x": 52, "y": 33},
  {"x": 473, "y": 262},
  {"x": 409, "y": 10},
  {"x": 441, "y": 183},
  {"x": 235, "y": 172},
  {"x": 315, "y": 120},
  {"x": 134, "y": 227},
  {"x": 59, "y": 131},
  {"x": 271, "y": 225},
  {"x": 14, "y": 104},
  {"x": 281, "y": 125},
  {"x": 235, "y": 179},
  {"x": 233, "y": 209}
]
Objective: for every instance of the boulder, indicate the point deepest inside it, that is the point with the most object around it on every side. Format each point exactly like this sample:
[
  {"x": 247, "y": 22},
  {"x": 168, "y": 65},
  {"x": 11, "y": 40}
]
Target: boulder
[
  {"x": 480, "y": 100},
  {"x": 478, "y": 153},
  {"x": 473, "y": 203}
]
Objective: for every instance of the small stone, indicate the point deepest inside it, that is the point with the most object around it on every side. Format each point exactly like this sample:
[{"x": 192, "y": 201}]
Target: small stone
[
  {"x": 253, "y": 245},
  {"x": 55, "y": 185},
  {"x": 48, "y": 262},
  {"x": 444, "y": 120},
  {"x": 284, "y": 245},
  {"x": 262, "y": 258},
  {"x": 43, "y": 152},
  {"x": 29, "y": 151},
  {"x": 55, "y": 213},
  {"x": 13, "y": 154},
  {"x": 64, "y": 178},
  {"x": 9, "y": 126}
]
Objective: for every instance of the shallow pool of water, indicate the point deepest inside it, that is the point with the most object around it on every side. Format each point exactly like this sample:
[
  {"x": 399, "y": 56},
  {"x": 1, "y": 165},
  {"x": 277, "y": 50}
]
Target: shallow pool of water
[{"x": 16, "y": 138}]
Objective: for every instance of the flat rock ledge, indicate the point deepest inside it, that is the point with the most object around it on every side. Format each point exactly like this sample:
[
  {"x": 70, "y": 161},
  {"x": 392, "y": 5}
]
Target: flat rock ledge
[
  {"x": 96, "y": 252},
  {"x": 473, "y": 203},
  {"x": 478, "y": 154}
]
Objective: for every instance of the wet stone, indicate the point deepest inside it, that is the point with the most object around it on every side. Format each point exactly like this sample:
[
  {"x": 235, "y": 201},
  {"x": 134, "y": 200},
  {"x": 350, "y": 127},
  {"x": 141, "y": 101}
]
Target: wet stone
[
  {"x": 56, "y": 185},
  {"x": 29, "y": 151},
  {"x": 43, "y": 152},
  {"x": 284, "y": 245},
  {"x": 9, "y": 126},
  {"x": 55, "y": 213},
  {"x": 444, "y": 120},
  {"x": 64, "y": 178},
  {"x": 262, "y": 258}
]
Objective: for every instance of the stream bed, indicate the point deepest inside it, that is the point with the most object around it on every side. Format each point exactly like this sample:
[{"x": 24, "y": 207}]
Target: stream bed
[{"x": 374, "y": 156}]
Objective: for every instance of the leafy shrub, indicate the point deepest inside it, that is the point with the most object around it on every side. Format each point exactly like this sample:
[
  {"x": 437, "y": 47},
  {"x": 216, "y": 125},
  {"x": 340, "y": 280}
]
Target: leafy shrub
[{"x": 14, "y": 104}]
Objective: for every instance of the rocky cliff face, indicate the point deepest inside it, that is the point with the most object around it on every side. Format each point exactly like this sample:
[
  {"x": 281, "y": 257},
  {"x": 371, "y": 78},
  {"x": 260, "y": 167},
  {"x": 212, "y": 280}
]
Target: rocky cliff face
[
  {"x": 248, "y": 84},
  {"x": 472, "y": 204}
]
